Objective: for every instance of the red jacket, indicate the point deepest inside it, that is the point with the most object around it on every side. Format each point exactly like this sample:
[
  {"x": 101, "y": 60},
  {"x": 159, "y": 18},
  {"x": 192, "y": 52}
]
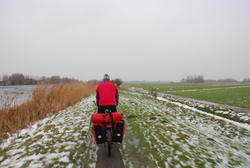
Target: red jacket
[{"x": 107, "y": 94}]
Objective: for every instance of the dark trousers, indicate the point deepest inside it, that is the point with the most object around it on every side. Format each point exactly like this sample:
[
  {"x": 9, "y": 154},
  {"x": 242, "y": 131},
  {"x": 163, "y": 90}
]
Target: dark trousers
[{"x": 101, "y": 109}]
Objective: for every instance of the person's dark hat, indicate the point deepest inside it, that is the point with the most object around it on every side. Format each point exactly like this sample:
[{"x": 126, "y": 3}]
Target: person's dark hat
[{"x": 106, "y": 77}]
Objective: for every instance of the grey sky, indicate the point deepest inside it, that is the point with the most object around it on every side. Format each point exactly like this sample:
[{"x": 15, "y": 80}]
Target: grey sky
[{"x": 129, "y": 39}]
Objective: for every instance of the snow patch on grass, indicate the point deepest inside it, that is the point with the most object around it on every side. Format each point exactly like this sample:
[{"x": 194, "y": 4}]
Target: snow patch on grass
[
  {"x": 178, "y": 135},
  {"x": 62, "y": 140}
]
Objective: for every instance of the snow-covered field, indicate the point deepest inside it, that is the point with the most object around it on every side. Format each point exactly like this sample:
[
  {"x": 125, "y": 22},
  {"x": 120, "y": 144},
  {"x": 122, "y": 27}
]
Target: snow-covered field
[{"x": 160, "y": 133}]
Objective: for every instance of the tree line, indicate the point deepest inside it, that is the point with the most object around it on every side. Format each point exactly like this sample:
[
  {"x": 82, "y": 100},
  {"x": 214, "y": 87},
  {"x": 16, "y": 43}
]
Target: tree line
[
  {"x": 193, "y": 79},
  {"x": 200, "y": 79},
  {"x": 20, "y": 79}
]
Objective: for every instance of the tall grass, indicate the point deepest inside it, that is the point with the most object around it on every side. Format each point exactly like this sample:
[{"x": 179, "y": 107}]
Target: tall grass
[{"x": 46, "y": 99}]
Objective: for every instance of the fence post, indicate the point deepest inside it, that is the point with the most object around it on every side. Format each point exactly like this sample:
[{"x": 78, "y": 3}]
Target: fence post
[{"x": 154, "y": 92}]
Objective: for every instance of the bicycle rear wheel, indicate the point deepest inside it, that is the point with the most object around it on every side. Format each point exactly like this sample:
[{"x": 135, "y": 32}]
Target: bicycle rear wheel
[
  {"x": 109, "y": 148},
  {"x": 109, "y": 142}
]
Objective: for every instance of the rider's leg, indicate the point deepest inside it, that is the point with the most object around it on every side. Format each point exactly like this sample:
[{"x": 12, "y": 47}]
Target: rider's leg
[
  {"x": 101, "y": 109},
  {"x": 112, "y": 108}
]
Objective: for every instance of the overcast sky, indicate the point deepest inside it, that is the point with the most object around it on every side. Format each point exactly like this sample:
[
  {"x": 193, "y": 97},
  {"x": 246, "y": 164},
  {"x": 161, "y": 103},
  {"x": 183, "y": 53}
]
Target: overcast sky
[{"x": 127, "y": 39}]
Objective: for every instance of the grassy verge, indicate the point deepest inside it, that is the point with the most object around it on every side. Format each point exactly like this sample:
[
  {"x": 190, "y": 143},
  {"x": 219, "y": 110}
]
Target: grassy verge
[
  {"x": 238, "y": 116},
  {"x": 166, "y": 135},
  {"x": 46, "y": 100}
]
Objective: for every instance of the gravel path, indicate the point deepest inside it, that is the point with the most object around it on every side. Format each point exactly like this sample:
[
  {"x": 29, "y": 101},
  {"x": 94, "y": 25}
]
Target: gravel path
[{"x": 104, "y": 161}]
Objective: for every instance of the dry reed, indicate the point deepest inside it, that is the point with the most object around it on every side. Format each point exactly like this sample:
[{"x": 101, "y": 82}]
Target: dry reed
[{"x": 46, "y": 99}]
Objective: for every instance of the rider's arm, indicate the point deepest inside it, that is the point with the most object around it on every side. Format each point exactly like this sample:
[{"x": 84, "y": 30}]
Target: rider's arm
[
  {"x": 97, "y": 96},
  {"x": 116, "y": 96}
]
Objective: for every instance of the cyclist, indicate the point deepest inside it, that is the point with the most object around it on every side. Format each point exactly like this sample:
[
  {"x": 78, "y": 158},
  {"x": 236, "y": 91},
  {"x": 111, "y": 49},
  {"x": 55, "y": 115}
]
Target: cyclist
[{"x": 107, "y": 95}]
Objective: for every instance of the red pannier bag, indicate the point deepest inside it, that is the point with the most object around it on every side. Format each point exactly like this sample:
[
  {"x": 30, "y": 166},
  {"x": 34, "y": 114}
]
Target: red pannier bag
[
  {"x": 119, "y": 131},
  {"x": 98, "y": 130},
  {"x": 101, "y": 117},
  {"x": 98, "y": 133}
]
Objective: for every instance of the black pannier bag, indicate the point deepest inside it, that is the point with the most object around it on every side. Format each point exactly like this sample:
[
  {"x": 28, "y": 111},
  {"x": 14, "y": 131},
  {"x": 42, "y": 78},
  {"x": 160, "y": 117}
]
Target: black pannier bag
[
  {"x": 98, "y": 133},
  {"x": 119, "y": 128}
]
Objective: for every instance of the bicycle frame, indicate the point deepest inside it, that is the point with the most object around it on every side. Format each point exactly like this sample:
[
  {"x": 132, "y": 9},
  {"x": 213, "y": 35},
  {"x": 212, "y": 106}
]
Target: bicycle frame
[{"x": 109, "y": 131}]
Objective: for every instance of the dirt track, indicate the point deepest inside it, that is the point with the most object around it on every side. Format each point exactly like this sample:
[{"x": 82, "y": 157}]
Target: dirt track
[{"x": 104, "y": 161}]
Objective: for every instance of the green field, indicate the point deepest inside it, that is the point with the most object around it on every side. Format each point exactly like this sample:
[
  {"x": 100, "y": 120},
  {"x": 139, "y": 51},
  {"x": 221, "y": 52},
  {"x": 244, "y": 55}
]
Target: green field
[{"x": 235, "y": 94}]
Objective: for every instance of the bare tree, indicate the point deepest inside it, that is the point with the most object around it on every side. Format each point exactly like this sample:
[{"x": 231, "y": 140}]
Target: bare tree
[
  {"x": 183, "y": 80},
  {"x": 193, "y": 79},
  {"x": 200, "y": 79},
  {"x": 43, "y": 78},
  {"x": 247, "y": 80},
  {"x": 17, "y": 79},
  {"x": 55, "y": 79},
  {"x": 5, "y": 78},
  {"x": 118, "y": 82},
  {"x": 29, "y": 80}
]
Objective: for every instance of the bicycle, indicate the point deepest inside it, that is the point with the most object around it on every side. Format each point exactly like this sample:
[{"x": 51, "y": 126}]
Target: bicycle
[{"x": 108, "y": 128}]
